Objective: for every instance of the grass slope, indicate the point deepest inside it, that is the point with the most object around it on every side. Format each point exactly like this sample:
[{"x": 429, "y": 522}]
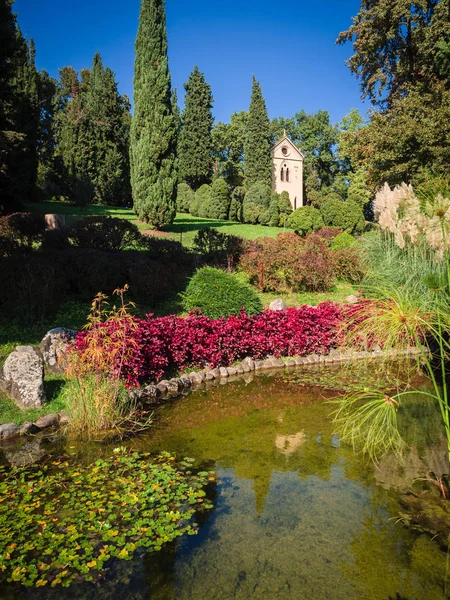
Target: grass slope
[{"x": 183, "y": 228}]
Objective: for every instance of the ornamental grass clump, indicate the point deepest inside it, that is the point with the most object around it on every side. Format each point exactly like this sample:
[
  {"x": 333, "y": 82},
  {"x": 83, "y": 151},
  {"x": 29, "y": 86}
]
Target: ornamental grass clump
[
  {"x": 94, "y": 393},
  {"x": 414, "y": 314}
]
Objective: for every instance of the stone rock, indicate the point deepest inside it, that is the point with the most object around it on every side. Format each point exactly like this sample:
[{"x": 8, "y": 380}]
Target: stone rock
[
  {"x": 239, "y": 369},
  {"x": 185, "y": 381},
  {"x": 209, "y": 376},
  {"x": 26, "y": 453},
  {"x": 54, "y": 346},
  {"x": 300, "y": 360},
  {"x": 9, "y": 430},
  {"x": 352, "y": 299},
  {"x": 259, "y": 364},
  {"x": 162, "y": 387},
  {"x": 290, "y": 362},
  {"x": 277, "y": 304},
  {"x": 28, "y": 428},
  {"x": 196, "y": 378},
  {"x": 249, "y": 363},
  {"x": 223, "y": 372},
  {"x": 231, "y": 371},
  {"x": 54, "y": 222},
  {"x": 48, "y": 421},
  {"x": 22, "y": 377},
  {"x": 173, "y": 387},
  {"x": 216, "y": 373},
  {"x": 64, "y": 419},
  {"x": 150, "y": 393},
  {"x": 278, "y": 363}
]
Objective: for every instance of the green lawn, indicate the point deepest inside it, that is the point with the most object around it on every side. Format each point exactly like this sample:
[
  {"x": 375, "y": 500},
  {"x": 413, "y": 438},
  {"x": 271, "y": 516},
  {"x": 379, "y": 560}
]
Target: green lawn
[{"x": 183, "y": 229}]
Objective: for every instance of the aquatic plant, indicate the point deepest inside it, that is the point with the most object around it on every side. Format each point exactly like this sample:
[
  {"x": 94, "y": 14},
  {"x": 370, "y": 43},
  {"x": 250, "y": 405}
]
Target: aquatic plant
[
  {"x": 399, "y": 317},
  {"x": 61, "y": 523}
]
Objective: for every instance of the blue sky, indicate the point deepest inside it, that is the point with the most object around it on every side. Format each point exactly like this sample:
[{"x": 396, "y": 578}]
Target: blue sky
[{"x": 290, "y": 48}]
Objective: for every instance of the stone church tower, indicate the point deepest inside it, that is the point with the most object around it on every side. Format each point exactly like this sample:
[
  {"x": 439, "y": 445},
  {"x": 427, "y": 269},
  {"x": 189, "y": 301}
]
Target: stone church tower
[{"x": 287, "y": 171}]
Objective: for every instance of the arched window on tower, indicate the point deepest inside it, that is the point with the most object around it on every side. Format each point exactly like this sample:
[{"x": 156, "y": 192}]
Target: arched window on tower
[
  {"x": 287, "y": 174},
  {"x": 282, "y": 174}
]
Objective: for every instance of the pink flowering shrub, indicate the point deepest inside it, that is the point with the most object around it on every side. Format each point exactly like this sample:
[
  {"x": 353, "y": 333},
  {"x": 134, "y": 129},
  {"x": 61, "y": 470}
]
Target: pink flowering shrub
[{"x": 163, "y": 343}]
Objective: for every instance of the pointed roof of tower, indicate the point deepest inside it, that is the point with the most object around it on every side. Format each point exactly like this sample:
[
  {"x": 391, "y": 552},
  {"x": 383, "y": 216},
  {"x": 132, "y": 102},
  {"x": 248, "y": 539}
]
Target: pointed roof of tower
[{"x": 285, "y": 140}]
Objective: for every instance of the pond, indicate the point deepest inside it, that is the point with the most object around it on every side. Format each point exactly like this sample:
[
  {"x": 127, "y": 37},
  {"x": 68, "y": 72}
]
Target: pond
[{"x": 296, "y": 513}]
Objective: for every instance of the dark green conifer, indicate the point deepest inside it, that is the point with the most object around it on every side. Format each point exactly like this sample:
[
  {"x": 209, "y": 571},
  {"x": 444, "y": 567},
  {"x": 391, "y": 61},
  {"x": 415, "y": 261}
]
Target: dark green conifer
[
  {"x": 153, "y": 129},
  {"x": 195, "y": 143},
  {"x": 257, "y": 157}
]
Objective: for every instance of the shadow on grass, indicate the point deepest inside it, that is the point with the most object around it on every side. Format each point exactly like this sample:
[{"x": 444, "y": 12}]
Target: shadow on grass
[
  {"x": 193, "y": 224},
  {"x": 53, "y": 387}
]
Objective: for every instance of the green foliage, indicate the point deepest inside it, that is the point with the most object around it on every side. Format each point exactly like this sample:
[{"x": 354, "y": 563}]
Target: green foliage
[
  {"x": 195, "y": 142},
  {"x": 274, "y": 210},
  {"x": 154, "y": 128},
  {"x": 60, "y": 524},
  {"x": 358, "y": 191},
  {"x": 220, "y": 200},
  {"x": 217, "y": 248},
  {"x": 219, "y": 294},
  {"x": 92, "y": 137},
  {"x": 396, "y": 44},
  {"x": 342, "y": 240},
  {"x": 256, "y": 205},
  {"x": 228, "y": 149},
  {"x": 202, "y": 202},
  {"x": 305, "y": 219},
  {"x": 236, "y": 204},
  {"x": 185, "y": 196},
  {"x": 257, "y": 158},
  {"x": 104, "y": 233},
  {"x": 19, "y": 114},
  {"x": 347, "y": 216}
]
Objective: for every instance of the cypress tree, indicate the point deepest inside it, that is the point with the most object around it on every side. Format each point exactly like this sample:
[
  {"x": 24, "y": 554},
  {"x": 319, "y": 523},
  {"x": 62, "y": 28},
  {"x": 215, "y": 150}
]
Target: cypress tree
[
  {"x": 257, "y": 157},
  {"x": 195, "y": 144},
  {"x": 153, "y": 128}
]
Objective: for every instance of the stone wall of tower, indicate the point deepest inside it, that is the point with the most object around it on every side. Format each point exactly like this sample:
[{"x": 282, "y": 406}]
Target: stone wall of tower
[{"x": 288, "y": 171}]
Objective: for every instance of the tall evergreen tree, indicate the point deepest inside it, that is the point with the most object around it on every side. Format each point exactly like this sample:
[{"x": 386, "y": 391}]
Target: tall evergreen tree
[
  {"x": 153, "y": 129},
  {"x": 93, "y": 135},
  {"x": 19, "y": 112},
  {"x": 257, "y": 157},
  {"x": 195, "y": 145}
]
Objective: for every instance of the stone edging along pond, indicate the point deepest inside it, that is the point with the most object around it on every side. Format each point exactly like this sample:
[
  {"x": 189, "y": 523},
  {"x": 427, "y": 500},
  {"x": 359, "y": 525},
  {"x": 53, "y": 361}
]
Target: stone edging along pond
[{"x": 155, "y": 394}]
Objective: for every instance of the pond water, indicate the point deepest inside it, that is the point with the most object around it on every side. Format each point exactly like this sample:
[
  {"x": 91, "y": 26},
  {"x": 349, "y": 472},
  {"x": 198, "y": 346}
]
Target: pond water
[{"x": 297, "y": 515}]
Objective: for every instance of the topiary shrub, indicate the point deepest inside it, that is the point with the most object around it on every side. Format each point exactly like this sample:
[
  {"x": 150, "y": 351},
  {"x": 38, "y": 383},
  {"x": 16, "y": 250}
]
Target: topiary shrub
[
  {"x": 237, "y": 199},
  {"x": 257, "y": 203},
  {"x": 284, "y": 207},
  {"x": 21, "y": 229},
  {"x": 220, "y": 200},
  {"x": 348, "y": 216},
  {"x": 203, "y": 201},
  {"x": 219, "y": 294},
  {"x": 185, "y": 196},
  {"x": 305, "y": 219},
  {"x": 349, "y": 264},
  {"x": 104, "y": 233},
  {"x": 342, "y": 240}
]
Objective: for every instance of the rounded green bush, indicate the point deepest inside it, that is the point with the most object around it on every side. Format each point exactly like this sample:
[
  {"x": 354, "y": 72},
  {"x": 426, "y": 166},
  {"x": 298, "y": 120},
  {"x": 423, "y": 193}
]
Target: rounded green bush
[
  {"x": 305, "y": 219},
  {"x": 342, "y": 240},
  {"x": 218, "y": 294}
]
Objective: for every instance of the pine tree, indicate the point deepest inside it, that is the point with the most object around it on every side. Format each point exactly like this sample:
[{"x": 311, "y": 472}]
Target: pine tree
[
  {"x": 220, "y": 200},
  {"x": 153, "y": 128},
  {"x": 257, "y": 157},
  {"x": 195, "y": 144}
]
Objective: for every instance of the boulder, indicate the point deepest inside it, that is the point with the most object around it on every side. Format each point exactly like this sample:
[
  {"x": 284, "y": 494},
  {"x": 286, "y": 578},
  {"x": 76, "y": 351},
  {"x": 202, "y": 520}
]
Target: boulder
[
  {"x": 50, "y": 420},
  {"x": 22, "y": 377},
  {"x": 352, "y": 299},
  {"x": 54, "y": 346},
  {"x": 9, "y": 430},
  {"x": 277, "y": 304}
]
